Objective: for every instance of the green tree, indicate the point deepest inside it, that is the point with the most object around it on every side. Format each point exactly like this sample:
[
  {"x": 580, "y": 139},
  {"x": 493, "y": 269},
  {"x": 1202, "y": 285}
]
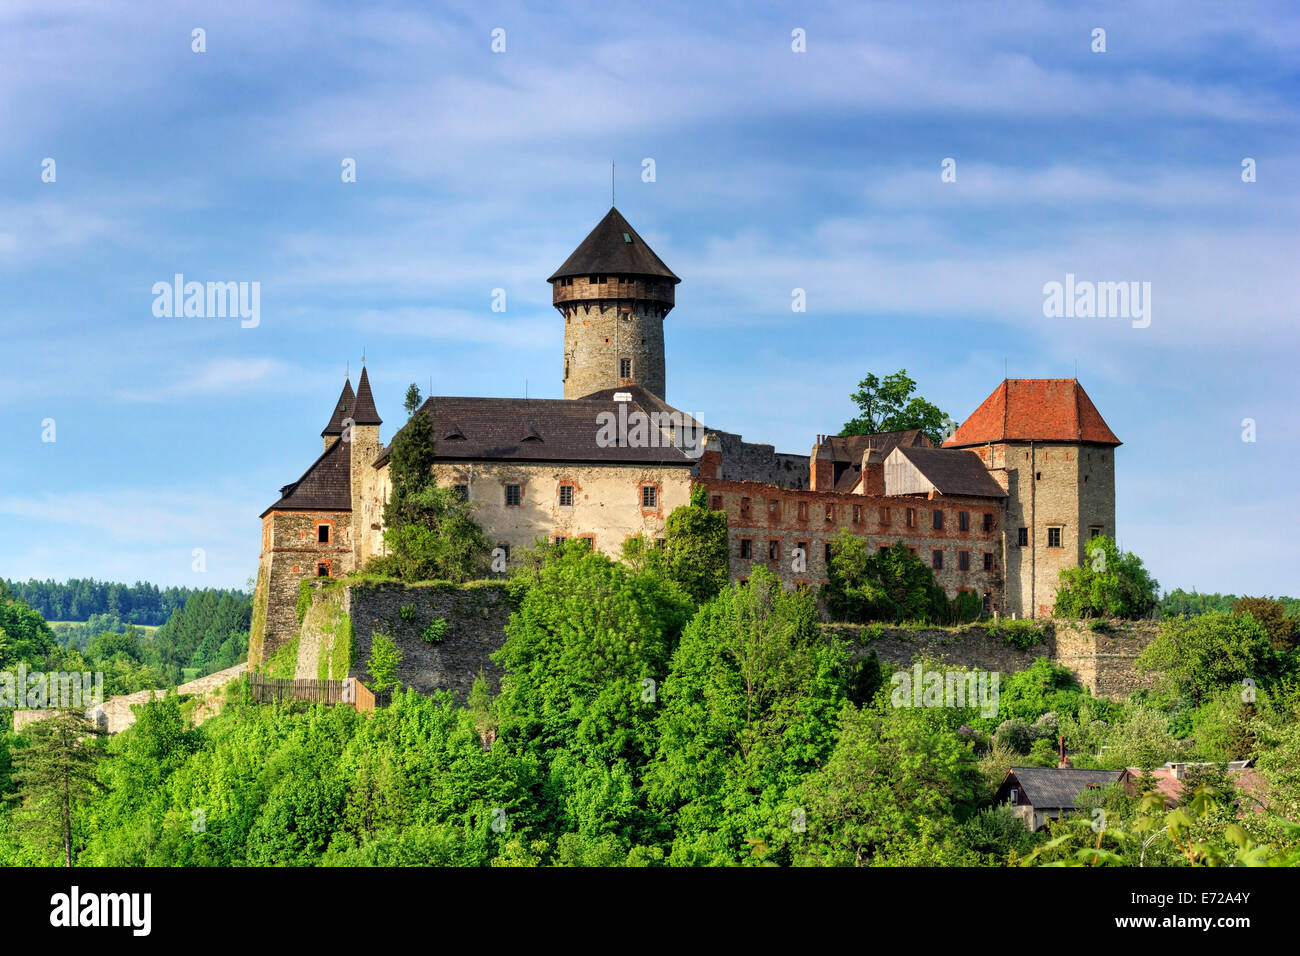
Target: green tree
[
  {"x": 1195, "y": 656},
  {"x": 54, "y": 773},
  {"x": 1109, "y": 583},
  {"x": 890, "y": 585},
  {"x": 385, "y": 656},
  {"x": 412, "y": 400},
  {"x": 893, "y": 791},
  {"x": 429, "y": 532},
  {"x": 1283, "y": 629},
  {"x": 888, "y": 405},
  {"x": 696, "y": 550},
  {"x": 749, "y": 708}
]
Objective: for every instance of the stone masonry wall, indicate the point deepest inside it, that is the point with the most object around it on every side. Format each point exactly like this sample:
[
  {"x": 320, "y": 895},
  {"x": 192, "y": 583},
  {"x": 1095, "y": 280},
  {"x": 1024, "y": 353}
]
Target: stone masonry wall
[
  {"x": 476, "y": 617},
  {"x": 1102, "y": 662}
]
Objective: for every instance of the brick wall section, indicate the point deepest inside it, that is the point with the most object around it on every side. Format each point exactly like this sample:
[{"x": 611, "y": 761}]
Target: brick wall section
[
  {"x": 476, "y": 619},
  {"x": 291, "y": 553},
  {"x": 789, "y": 526}
]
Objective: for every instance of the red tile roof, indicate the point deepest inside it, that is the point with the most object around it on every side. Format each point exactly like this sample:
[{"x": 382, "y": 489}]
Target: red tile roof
[{"x": 1035, "y": 409}]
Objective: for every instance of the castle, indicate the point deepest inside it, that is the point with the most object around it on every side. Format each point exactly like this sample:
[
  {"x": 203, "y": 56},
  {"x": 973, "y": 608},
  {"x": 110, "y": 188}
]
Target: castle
[{"x": 1007, "y": 501}]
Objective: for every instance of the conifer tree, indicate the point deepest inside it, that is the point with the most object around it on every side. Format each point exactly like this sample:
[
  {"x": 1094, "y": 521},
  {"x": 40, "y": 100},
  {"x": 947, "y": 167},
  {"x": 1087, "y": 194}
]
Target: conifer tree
[{"x": 55, "y": 771}]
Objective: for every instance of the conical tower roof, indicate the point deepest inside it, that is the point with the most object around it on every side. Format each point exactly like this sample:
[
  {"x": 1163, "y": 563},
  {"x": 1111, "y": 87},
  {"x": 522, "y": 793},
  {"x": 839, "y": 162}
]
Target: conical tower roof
[
  {"x": 363, "y": 409},
  {"x": 613, "y": 248},
  {"x": 341, "y": 409}
]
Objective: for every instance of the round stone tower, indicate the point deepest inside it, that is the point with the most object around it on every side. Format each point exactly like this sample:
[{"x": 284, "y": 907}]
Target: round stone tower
[{"x": 614, "y": 293}]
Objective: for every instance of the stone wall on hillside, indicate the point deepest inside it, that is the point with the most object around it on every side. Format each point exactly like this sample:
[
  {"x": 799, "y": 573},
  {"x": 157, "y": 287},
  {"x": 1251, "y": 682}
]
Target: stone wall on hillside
[
  {"x": 959, "y": 646},
  {"x": 476, "y": 617},
  {"x": 1103, "y": 661}
]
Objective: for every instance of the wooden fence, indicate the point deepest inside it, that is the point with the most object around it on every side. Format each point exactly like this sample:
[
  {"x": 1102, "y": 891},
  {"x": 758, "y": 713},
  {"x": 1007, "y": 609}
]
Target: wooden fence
[{"x": 264, "y": 690}]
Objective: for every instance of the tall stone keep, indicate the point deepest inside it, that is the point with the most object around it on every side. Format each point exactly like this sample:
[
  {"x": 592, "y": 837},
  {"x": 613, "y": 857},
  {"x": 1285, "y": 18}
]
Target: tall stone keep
[{"x": 614, "y": 294}]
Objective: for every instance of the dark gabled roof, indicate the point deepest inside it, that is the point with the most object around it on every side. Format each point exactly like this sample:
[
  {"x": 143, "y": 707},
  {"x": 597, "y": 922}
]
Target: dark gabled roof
[
  {"x": 363, "y": 409},
  {"x": 341, "y": 409},
  {"x": 1057, "y": 788},
  {"x": 325, "y": 486},
  {"x": 537, "y": 429},
  {"x": 1035, "y": 409},
  {"x": 850, "y": 447},
  {"x": 613, "y": 248},
  {"x": 847, "y": 450},
  {"x": 953, "y": 471}
]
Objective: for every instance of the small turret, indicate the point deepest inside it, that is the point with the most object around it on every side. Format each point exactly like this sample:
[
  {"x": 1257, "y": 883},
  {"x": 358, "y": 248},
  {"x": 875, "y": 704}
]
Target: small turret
[{"x": 341, "y": 408}]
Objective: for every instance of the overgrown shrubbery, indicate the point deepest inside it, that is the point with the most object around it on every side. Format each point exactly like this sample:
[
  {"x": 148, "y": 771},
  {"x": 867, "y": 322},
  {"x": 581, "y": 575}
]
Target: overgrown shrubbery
[
  {"x": 1109, "y": 583},
  {"x": 891, "y": 585}
]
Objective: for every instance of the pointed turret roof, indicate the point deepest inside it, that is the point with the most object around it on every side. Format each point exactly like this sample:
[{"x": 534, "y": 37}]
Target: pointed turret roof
[
  {"x": 1035, "y": 409},
  {"x": 341, "y": 409},
  {"x": 363, "y": 409},
  {"x": 613, "y": 248}
]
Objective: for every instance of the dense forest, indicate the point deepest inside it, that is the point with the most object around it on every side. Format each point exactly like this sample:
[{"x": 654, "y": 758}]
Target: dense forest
[{"x": 78, "y": 598}]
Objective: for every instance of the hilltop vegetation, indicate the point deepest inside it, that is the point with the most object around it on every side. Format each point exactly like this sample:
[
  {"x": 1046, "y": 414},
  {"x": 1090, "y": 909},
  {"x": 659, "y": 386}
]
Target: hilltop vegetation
[{"x": 636, "y": 725}]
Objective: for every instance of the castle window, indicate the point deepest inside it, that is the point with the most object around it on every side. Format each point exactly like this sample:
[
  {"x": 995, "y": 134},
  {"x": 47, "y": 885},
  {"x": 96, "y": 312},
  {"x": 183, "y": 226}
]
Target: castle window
[
  {"x": 857, "y": 514},
  {"x": 648, "y": 496},
  {"x": 802, "y": 546},
  {"x": 589, "y": 540},
  {"x": 988, "y": 602},
  {"x": 802, "y": 510},
  {"x": 323, "y": 533},
  {"x": 773, "y": 550},
  {"x": 830, "y": 512},
  {"x": 828, "y": 552},
  {"x": 514, "y": 495},
  {"x": 625, "y": 368},
  {"x": 1038, "y": 476},
  {"x": 988, "y": 521},
  {"x": 560, "y": 539},
  {"x": 938, "y": 519},
  {"x": 744, "y": 507},
  {"x": 566, "y": 496},
  {"x": 746, "y": 548},
  {"x": 988, "y": 561},
  {"x": 323, "y": 570},
  {"x": 715, "y": 503},
  {"x": 462, "y": 492},
  {"x": 963, "y": 520},
  {"x": 911, "y": 517},
  {"x": 936, "y": 558},
  {"x": 1022, "y": 537},
  {"x": 884, "y": 515},
  {"x": 1054, "y": 537},
  {"x": 774, "y": 507},
  {"x": 963, "y": 560},
  {"x": 1094, "y": 531}
]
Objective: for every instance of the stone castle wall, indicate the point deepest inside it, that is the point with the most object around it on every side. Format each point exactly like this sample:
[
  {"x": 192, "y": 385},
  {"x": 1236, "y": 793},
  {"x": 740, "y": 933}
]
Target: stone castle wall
[
  {"x": 476, "y": 617},
  {"x": 600, "y": 334}
]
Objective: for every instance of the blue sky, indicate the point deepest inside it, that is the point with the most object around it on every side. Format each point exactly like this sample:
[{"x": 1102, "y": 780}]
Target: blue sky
[{"x": 775, "y": 170}]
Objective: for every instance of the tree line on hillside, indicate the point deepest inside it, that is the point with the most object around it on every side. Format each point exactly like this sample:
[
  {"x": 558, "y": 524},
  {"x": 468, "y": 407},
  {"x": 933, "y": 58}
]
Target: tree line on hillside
[
  {"x": 78, "y": 598},
  {"x": 209, "y": 633}
]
